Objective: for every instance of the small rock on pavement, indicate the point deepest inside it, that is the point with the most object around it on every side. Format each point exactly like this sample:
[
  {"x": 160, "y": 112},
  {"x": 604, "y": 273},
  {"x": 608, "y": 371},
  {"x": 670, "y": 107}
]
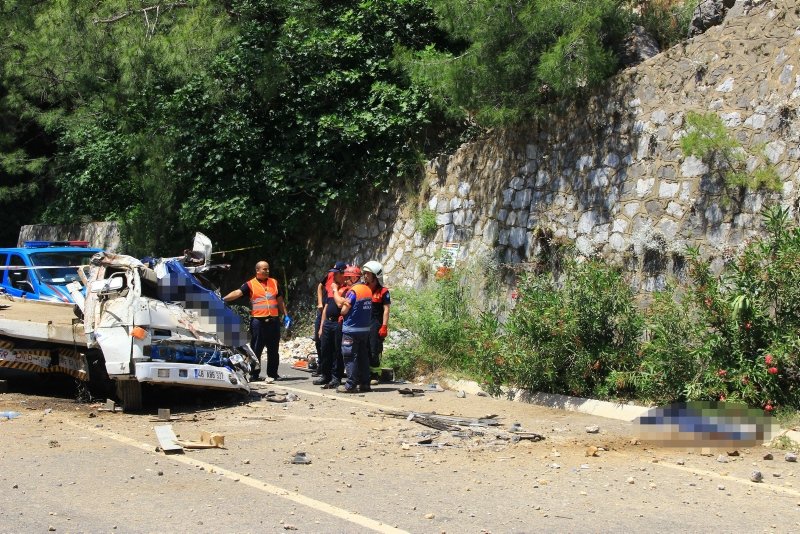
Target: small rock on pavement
[
  {"x": 591, "y": 451},
  {"x": 289, "y": 527},
  {"x": 51, "y": 528},
  {"x": 461, "y": 394},
  {"x": 681, "y": 462},
  {"x": 768, "y": 456},
  {"x": 722, "y": 459},
  {"x": 733, "y": 453},
  {"x": 720, "y": 487},
  {"x": 756, "y": 476},
  {"x": 593, "y": 429},
  {"x": 430, "y": 516},
  {"x": 630, "y": 480},
  {"x": 790, "y": 457}
]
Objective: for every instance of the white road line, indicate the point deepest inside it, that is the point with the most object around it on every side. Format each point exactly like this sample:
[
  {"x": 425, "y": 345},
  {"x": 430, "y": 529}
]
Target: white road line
[{"x": 260, "y": 485}]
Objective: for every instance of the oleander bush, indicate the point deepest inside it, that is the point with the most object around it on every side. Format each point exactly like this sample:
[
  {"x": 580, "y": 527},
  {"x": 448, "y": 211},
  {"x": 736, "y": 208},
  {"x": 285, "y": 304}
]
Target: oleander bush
[{"x": 580, "y": 332}]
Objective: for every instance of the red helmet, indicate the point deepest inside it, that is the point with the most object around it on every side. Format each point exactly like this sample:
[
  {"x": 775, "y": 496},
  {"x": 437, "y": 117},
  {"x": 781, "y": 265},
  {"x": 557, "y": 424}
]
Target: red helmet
[{"x": 352, "y": 271}]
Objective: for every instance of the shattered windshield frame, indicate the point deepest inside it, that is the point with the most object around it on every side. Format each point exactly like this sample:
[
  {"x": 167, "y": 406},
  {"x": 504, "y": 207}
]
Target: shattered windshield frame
[{"x": 60, "y": 276}]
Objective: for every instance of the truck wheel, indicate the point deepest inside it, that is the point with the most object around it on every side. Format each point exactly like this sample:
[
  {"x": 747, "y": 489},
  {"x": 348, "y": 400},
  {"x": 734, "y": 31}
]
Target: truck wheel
[{"x": 129, "y": 393}]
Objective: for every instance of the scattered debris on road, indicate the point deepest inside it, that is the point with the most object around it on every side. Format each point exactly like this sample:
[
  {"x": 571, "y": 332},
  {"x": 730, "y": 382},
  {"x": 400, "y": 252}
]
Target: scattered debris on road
[{"x": 208, "y": 440}]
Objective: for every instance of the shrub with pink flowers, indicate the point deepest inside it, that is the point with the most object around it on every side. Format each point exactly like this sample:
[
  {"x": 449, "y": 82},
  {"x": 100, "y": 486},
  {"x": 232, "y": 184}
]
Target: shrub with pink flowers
[{"x": 577, "y": 330}]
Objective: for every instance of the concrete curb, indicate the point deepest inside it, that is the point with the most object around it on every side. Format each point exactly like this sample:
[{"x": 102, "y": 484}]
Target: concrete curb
[{"x": 608, "y": 410}]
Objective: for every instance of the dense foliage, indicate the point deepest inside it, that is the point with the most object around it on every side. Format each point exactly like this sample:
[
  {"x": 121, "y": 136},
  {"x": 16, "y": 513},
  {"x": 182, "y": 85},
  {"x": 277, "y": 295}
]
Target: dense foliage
[
  {"x": 255, "y": 121},
  {"x": 734, "y": 337},
  {"x": 510, "y": 58},
  {"x": 239, "y": 120}
]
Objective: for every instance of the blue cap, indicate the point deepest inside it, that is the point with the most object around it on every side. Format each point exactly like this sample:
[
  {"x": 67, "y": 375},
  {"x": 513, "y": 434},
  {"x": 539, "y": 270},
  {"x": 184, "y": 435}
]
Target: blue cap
[{"x": 339, "y": 267}]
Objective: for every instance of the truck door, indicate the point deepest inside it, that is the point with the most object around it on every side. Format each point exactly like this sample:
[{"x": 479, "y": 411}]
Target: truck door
[
  {"x": 3, "y": 272},
  {"x": 20, "y": 282}
]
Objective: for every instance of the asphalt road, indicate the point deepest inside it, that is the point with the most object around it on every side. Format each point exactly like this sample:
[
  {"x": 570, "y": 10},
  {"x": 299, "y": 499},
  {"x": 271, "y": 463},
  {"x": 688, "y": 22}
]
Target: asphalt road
[{"x": 69, "y": 467}]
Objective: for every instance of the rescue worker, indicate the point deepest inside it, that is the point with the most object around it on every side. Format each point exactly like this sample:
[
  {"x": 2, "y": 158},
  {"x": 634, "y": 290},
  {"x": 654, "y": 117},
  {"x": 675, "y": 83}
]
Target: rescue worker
[
  {"x": 265, "y": 328},
  {"x": 351, "y": 275},
  {"x": 379, "y": 329},
  {"x": 323, "y": 294},
  {"x": 356, "y": 308},
  {"x": 329, "y": 334}
]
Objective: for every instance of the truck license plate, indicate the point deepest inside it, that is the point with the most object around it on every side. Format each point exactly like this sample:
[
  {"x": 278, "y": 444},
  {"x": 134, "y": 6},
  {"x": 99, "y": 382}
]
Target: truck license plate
[{"x": 212, "y": 375}]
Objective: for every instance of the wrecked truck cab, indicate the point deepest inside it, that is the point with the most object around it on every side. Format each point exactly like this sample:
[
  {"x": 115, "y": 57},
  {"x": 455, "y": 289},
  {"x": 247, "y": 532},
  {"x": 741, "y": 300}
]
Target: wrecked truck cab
[{"x": 161, "y": 326}]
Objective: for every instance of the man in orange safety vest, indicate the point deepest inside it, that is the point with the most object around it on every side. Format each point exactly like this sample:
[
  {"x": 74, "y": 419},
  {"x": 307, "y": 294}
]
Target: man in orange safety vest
[{"x": 267, "y": 304}]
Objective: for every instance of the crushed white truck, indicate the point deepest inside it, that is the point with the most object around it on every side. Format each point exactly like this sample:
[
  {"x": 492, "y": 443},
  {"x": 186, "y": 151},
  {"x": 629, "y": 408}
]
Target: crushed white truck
[{"x": 161, "y": 323}]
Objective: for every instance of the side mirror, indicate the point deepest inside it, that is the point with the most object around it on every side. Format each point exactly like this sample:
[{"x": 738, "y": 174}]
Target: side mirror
[{"x": 114, "y": 283}]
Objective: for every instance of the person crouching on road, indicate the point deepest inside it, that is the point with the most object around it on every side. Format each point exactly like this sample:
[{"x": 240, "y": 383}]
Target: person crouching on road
[
  {"x": 265, "y": 328},
  {"x": 356, "y": 308},
  {"x": 324, "y": 292},
  {"x": 379, "y": 329},
  {"x": 330, "y": 336}
]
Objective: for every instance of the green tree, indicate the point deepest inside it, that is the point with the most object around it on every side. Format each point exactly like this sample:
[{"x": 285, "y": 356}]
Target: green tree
[
  {"x": 244, "y": 120},
  {"x": 509, "y": 58}
]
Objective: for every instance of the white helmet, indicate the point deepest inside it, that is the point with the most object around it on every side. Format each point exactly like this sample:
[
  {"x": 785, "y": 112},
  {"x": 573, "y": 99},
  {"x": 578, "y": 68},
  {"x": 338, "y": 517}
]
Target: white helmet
[{"x": 373, "y": 267}]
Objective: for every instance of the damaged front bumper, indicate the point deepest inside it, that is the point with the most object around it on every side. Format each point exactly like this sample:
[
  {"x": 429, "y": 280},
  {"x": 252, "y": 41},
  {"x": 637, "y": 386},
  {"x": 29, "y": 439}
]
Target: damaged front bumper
[{"x": 191, "y": 375}]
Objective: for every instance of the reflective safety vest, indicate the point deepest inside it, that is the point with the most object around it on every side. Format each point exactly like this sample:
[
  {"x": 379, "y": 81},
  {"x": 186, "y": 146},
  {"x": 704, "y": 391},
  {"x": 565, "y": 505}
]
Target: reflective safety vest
[
  {"x": 379, "y": 297},
  {"x": 358, "y": 319},
  {"x": 264, "y": 297},
  {"x": 328, "y": 288}
]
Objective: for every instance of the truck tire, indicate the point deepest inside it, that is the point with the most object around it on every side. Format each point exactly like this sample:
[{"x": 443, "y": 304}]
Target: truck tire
[{"x": 129, "y": 393}]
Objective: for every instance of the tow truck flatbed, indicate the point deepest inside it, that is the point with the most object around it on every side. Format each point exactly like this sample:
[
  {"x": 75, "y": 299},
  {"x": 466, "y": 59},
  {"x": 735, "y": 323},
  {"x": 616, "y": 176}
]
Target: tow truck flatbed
[{"x": 38, "y": 320}]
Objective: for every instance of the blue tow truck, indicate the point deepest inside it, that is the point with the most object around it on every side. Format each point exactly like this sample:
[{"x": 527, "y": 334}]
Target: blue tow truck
[{"x": 41, "y": 270}]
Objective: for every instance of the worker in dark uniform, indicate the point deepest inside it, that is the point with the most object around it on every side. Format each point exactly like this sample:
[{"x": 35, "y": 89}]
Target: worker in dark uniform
[
  {"x": 265, "y": 327},
  {"x": 323, "y": 294},
  {"x": 381, "y": 302},
  {"x": 356, "y": 308},
  {"x": 329, "y": 334},
  {"x": 331, "y": 330}
]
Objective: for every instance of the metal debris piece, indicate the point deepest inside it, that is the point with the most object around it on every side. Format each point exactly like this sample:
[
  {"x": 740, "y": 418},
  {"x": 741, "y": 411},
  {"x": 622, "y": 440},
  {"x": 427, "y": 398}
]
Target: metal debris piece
[
  {"x": 533, "y": 436},
  {"x": 208, "y": 440},
  {"x": 301, "y": 458},
  {"x": 167, "y": 440},
  {"x": 487, "y": 420},
  {"x": 423, "y": 419}
]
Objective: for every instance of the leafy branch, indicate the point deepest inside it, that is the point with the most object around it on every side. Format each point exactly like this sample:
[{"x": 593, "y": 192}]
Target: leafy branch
[{"x": 708, "y": 139}]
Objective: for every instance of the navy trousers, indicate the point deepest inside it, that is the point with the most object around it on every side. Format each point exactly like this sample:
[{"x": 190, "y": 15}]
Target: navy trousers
[
  {"x": 330, "y": 359},
  {"x": 355, "y": 352},
  {"x": 266, "y": 333}
]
